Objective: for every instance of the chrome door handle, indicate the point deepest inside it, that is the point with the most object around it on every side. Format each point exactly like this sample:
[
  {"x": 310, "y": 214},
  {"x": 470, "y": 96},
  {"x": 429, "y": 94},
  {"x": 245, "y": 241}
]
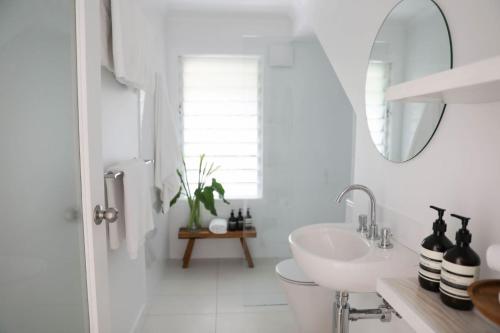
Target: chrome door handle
[{"x": 101, "y": 214}]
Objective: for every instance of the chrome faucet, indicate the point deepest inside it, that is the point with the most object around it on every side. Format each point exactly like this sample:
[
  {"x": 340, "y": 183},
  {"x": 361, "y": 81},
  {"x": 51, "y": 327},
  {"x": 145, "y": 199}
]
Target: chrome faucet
[{"x": 373, "y": 229}]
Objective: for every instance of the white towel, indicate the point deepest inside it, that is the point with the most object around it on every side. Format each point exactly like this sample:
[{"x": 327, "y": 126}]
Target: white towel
[
  {"x": 138, "y": 210},
  {"x": 129, "y": 39},
  {"x": 218, "y": 226},
  {"x": 106, "y": 41},
  {"x": 114, "y": 196},
  {"x": 493, "y": 257},
  {"x": 167, "y": 152}
]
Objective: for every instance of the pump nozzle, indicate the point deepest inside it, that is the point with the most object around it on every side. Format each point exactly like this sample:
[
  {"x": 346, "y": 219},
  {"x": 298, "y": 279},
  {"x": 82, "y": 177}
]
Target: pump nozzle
[
  {"x": 439, "y": 225},
  {"x": 465, "y": 220},
  {"x": 439, "y": 210},
  {"x": 463, "y": 235}
]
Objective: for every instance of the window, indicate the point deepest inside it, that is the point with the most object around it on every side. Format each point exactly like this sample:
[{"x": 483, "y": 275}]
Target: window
[
  {"x": 377, "y": 81},
  {"x": 221, "y": 104}
]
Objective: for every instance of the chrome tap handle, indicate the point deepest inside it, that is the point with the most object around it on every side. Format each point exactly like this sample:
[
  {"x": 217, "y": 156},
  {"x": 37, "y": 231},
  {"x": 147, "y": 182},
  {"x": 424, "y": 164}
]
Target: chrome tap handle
[
  {"x": 363, "y": 224},
  {"x": 385, "y": 242},
  {"x": 373, "y": 232}
]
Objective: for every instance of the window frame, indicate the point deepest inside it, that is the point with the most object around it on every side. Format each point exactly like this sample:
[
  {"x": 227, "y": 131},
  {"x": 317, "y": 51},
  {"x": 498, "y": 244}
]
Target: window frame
[{"x": 260, "y": 114}]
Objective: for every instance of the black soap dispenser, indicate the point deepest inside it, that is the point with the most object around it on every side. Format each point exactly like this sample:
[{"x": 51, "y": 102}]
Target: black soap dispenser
[
  {"x": 248, "y": 220},
  {"x": 240, "y": 220},
  {"x": 431, "y": 254},
  {"x": 232, "y": 223},
  {"x": 459, "y": 270}
]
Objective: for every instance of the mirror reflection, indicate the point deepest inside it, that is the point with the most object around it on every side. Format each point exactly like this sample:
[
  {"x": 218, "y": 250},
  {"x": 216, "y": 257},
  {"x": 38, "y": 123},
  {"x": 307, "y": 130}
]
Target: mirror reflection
[{"x": 413, "y": 42}]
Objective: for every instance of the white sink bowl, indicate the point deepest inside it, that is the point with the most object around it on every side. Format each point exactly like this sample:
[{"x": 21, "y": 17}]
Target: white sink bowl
[{"x": 335, "y": 256}]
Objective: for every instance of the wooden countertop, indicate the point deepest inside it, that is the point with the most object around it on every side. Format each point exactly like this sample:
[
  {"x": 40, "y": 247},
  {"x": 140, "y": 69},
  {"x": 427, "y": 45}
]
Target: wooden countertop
[{"x": 424, "y": 311}]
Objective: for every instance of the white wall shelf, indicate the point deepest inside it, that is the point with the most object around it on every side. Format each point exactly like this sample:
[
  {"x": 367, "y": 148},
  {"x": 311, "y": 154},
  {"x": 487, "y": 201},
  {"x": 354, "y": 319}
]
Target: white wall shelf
[
  {"x": 474, "y": 83},
  {"x": 424, "y": 311}
]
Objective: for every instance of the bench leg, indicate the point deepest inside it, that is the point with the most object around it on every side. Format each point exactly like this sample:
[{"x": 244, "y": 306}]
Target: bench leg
[
  {"x": 187, "y": 253},
  {"x": 248, "y": 256}
]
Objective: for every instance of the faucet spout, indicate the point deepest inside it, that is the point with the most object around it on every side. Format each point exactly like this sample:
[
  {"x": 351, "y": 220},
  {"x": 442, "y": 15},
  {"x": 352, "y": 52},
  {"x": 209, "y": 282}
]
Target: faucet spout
[{"x": 373, "y": 234}]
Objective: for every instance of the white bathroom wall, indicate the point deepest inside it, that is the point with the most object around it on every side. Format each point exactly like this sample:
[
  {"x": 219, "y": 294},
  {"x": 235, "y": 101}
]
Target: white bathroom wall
[
  {"x": 123, "y": 139},
  {"x": 308, "y": 125},
  {"x": 459, "y": 168},
  {"x": 157, "y": 242},
  {"x": 120, "y": 115}
]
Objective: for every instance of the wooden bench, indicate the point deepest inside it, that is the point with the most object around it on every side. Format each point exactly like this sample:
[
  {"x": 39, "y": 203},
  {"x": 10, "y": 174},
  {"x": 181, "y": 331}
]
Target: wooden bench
[{"x": 204, "y": 233}]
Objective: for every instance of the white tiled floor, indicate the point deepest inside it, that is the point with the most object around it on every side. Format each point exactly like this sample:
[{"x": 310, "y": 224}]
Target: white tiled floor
[{"x": 219, "y": 296}]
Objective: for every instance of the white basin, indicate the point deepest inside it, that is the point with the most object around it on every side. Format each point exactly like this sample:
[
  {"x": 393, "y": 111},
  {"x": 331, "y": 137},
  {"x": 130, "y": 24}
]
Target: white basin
[{"x": 335, "y": 256}]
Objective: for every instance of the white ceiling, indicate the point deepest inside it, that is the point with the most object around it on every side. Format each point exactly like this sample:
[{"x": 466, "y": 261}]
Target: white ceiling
[
  {"x": 247, "y": 6},
  {"x": 290, "y": 8}
]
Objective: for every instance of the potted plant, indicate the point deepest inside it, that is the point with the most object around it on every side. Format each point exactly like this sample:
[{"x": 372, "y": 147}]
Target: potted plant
[{"x": 203, "y": 194}]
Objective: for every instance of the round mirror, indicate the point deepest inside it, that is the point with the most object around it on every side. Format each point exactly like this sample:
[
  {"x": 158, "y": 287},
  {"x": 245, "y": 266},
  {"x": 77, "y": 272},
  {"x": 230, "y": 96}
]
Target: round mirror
[{"x": 414, "y": 41}]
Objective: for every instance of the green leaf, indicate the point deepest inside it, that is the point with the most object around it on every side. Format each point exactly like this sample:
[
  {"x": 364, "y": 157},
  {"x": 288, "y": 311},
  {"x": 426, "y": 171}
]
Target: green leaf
[
  {"x": 204, "y": 169},
  {"x": 184, "y": 184},
  {"x": 210, "y": 169},
  {"x": 176, "y": 197},
  {"x": 202, "y": 157},
  {"x": 219, "y": 189},
  {"x": 206, "y": 196},
  {"x": 214, "y": 169}
]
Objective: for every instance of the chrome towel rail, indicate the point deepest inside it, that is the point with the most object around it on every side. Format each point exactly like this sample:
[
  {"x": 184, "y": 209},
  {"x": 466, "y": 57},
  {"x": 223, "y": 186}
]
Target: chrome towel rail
[{"x": 118, "y": 174}]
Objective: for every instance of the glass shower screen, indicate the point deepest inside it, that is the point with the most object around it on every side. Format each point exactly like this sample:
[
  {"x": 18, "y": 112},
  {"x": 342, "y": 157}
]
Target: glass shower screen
[{"x": 42, "y": 275}]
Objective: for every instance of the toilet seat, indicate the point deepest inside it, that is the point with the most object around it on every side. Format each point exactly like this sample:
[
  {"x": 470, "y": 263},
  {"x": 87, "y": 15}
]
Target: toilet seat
[{"x": 289, "y": 271}]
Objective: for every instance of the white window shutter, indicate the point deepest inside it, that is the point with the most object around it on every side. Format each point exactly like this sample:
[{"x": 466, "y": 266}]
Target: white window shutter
[{"x": 222, "y": 116}]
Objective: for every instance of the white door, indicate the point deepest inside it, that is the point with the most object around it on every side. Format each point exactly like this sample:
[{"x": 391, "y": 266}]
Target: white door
[
  {"x": 53, "y": 257},
  {"x": 87, "y": 25}
]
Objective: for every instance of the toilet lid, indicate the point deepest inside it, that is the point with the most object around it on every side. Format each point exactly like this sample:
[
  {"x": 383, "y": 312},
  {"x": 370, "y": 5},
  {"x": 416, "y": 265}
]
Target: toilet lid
[{"x": 289, "y": 270}]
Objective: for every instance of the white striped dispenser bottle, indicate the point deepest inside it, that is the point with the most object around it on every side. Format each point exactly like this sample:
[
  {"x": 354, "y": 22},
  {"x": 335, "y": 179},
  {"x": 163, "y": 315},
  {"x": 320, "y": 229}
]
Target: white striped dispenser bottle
[
  {"x": 459, "y": 270},
  {"x": 431, "y": 254}
]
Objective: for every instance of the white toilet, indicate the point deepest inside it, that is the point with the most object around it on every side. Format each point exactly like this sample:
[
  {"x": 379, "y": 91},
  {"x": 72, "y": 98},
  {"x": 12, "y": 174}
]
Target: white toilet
[{"x": 311, "y": 304}]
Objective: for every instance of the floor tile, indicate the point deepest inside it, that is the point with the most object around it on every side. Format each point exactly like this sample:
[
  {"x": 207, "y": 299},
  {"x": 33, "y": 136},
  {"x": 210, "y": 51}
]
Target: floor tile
[
  {"x": 234, "y": 277},
  {"x": 180, "y": 324},
  {"x": 240, "y": 265},
  {"x": 223, "y": 293},
  {"x": 187, "y": 287},
  {"x": 196, "y": 269},
  {"x": 182, "y": 304},
  {"x": 251, "y": 302},
  {"x": 277, "y": 322},
  {"x": 199, "y": 279}
]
